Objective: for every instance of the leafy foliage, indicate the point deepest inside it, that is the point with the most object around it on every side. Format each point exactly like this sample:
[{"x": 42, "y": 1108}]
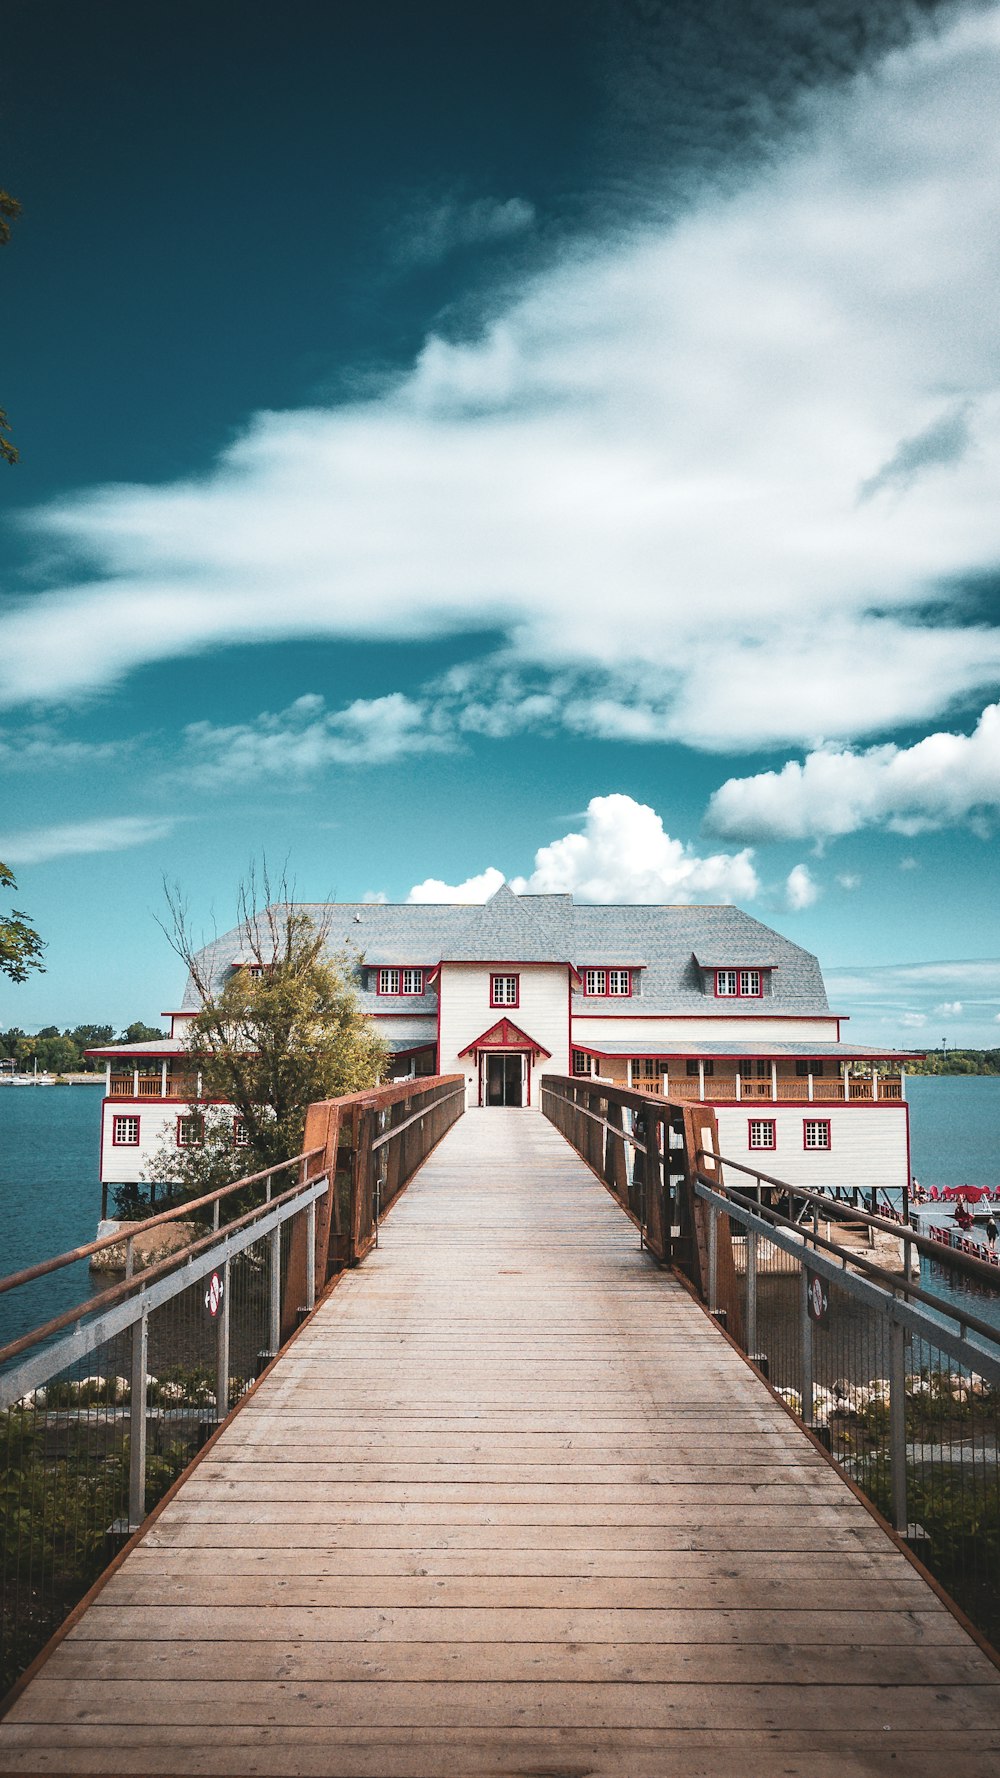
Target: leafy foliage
[
  {"x": 283, "y": 1030},
  {"x": 20, "y": 946}
]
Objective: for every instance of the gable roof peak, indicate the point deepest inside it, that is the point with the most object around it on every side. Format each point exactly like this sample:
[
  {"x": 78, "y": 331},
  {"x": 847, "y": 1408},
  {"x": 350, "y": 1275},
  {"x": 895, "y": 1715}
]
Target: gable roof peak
[{"x": 504, "y": 894}]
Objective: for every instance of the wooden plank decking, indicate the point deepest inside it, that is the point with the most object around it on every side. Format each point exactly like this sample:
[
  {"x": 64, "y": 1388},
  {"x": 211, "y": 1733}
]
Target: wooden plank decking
[{"x": 511, "y": 1505}]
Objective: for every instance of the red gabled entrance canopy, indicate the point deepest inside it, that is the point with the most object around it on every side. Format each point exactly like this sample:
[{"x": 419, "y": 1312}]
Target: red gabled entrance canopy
[{"x": 505, "y": 1035}]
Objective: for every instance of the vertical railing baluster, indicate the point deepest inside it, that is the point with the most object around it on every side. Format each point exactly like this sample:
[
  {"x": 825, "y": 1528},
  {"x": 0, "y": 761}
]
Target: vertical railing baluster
[
  {"x": 807, "y": 1345},
  {"x": 274, "y": 1291},
  {"x": 713, "y": 1258},
  {"x": 311, "y": 1256},
  {"x": 751, "y": 1282},
  {"x": 897, "y": 1425},
  {"x": 138, "y": 1409},
  {"x": 222, "y": 1349}
]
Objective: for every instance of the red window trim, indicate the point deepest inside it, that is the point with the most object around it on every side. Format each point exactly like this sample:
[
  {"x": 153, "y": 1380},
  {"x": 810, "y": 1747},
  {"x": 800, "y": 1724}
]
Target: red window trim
[
  {"x": 401, "y": 993},
  {"x": 813, "y": 1147},
  {"x": 739, "y": 969},
  {"x": 120, "y": 1117},
  {"x": 608, "y": 969},
  {"x": 237, "y": 1122},
  {"x": 765, "y": 1148},
  {"x": 505, "y": 975},
  {"x": 184, "y": 1118}
]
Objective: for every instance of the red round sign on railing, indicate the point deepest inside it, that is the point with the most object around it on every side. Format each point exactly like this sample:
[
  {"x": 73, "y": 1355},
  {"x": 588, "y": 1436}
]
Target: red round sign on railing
[{"x": 214, "y": 1294}]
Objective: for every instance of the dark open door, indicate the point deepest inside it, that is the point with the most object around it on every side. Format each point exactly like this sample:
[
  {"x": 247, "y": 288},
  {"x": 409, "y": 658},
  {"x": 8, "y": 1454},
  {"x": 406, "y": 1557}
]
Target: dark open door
[{"x": 504, "y": 1080}]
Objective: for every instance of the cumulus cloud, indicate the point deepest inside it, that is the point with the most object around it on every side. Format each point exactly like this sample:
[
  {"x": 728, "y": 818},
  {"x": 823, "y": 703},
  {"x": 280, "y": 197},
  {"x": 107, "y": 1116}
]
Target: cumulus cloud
[
  {"x": 913, "y": 1021},
  {"x": 476, "y": 889},
  {"x": 434, "y": 229},
  {"x": 836, "y": 790},
  {"x": 624, "y": 854},
  {"x": 115, "y": 833},
  {"x": 651, "y": 449},
  {"x": 307, "y": 737},
  {"x": 801, "y": 888},
  {"x": 949, "y": 1009}
]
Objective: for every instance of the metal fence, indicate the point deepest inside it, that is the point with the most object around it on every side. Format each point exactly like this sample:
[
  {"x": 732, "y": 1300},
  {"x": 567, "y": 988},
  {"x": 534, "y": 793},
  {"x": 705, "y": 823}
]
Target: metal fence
[
  {"x": 103, "y": 1407},
  {"x": 900, "y": 1383},
  {"x": 896, "y": 1371}
]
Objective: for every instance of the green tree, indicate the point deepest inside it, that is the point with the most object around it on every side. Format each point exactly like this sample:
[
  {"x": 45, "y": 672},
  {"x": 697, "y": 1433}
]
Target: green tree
[
  {"x": 20, "y": 946},
  {"x": 140, "y": 1033},
  {"x": 284, "y": 1028}
]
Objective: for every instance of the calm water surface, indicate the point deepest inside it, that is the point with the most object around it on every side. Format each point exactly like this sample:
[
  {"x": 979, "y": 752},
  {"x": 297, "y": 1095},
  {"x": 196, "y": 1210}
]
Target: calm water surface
[{"x": 50, "y": 1193}]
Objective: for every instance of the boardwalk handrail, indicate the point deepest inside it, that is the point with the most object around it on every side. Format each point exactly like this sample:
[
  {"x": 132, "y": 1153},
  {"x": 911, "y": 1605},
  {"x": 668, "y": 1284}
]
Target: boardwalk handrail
[
  {"x": 900, "y": 1383},
  {"x": 103, "y": 1405}
]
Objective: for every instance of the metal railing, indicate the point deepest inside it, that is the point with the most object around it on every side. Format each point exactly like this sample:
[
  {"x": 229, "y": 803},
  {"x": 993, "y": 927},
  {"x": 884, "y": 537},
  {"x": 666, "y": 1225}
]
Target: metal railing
[
  {"x": 103, "y": 1406},
  {"x": 899, "y": 1380}
]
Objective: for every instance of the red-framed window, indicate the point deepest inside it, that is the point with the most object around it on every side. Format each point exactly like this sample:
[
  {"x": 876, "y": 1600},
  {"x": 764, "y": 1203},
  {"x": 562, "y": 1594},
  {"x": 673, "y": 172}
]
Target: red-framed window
[
  {"x": 762, "y": 1133},
  {"x": 190, "y": 1130},
  {"x": 615, "y": 982},
  {"x": 241, "y": 1135},
  {"x": 399, "y": 981},
  {"x": 505, "y": 990},
  {"x": 582, "y": 1063},
  {"x": 816, "y": 1133},
  {"x": 739, "y": 984},
  {"x": 125, "y": 1132}
]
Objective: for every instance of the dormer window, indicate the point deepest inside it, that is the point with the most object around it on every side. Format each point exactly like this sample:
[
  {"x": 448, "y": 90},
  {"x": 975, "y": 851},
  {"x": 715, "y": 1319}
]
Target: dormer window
[
  {"x": 614, "y": 982},
  {"x": 739, "y": 984},
  {"x": 400, "y": 981}
]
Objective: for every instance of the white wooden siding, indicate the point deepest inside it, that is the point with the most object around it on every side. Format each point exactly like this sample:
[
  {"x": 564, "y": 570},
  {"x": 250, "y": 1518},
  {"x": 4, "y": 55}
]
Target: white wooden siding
[
  {"x": 543, "y": 1014},
  {"x": 127, "y": 1165},
  {"x": 868, "y": 1144}
]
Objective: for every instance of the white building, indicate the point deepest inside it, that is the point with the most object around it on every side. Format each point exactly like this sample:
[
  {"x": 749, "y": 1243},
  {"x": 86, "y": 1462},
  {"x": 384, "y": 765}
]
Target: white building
[{"x": 692, "y": 1002}]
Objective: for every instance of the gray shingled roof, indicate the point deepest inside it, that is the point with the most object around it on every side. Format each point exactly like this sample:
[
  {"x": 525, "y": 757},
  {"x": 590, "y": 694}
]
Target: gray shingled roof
[{"x": 550, "y": 929}]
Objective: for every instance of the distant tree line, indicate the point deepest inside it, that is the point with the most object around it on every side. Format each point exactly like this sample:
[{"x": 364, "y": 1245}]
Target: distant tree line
[
  {"x": 957, "y": 1062},
  {"x": 62, "y": 1052}
]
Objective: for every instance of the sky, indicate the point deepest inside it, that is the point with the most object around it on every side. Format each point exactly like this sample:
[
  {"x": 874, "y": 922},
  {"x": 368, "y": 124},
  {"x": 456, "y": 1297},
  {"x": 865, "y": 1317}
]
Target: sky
[{"x": 552, "y": 441}]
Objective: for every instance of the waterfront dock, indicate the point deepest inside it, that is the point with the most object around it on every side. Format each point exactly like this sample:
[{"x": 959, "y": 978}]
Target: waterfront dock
[{"x": 510, "y": 1503}]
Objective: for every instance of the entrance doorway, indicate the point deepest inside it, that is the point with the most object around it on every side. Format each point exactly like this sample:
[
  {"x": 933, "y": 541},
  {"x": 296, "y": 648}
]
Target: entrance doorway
[{"x": 503, "y": 1078}]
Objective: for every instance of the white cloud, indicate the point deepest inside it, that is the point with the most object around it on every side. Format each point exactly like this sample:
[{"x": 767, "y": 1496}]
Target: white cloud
[
  {"x": 306, "y": 738},
  {"x": 624, "y": 854},
  {"x": 473, "y": 889},
  {"x": 909, "y": 863},
  {"x": 115, "y": 833},
  {"x": 435, "y": 229},
  {"x": 801, "y": 889},
  {"x": 39, "y": 747},
  {"x": 653, "y": 451},
  {"x": 942, "y": 779},
  {"x": 887, "y": 1001},
  {"x": 849, "y": 880}
]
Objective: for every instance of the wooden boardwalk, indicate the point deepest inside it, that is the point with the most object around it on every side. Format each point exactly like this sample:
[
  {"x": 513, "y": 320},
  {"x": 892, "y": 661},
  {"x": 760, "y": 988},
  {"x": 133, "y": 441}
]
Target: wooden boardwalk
[{"x": 511, "y": 1505}]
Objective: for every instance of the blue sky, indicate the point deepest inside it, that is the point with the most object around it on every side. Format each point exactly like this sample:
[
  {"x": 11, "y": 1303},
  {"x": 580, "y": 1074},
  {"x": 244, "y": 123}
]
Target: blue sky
[{"x": 547, "y": 440}]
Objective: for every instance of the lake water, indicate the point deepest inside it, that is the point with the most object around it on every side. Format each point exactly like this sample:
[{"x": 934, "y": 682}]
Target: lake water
[{"x": 50, "y": 1193}]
